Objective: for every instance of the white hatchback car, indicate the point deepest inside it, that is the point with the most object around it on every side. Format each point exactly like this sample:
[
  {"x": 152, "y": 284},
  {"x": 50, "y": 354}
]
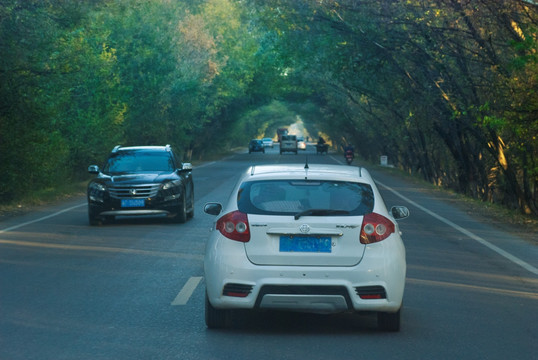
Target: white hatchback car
[{"x": 309, "y": 238}]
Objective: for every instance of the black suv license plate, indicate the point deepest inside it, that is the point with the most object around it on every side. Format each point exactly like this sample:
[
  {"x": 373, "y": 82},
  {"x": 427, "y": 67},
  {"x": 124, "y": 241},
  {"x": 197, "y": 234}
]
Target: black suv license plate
[{"x": 133, "y": 203}]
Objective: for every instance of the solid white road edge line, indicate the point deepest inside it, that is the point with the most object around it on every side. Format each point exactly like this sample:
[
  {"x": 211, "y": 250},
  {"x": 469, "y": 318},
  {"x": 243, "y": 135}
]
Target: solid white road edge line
[
  {"x": 185, "y": 293},
  {"x": 41, "y": 219},
  {"x": 466, "y": 232}
]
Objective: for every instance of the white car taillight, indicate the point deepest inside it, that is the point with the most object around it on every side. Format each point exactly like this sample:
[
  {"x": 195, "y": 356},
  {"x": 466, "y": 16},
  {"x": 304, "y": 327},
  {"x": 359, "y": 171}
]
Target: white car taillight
[
  {"x": 375, "y": 228},
  {"x": 234, "y": 226}
]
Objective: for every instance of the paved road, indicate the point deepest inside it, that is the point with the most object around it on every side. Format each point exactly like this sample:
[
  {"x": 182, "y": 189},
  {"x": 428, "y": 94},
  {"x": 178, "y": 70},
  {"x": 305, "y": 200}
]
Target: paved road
[{"x": 135, "y": 290}]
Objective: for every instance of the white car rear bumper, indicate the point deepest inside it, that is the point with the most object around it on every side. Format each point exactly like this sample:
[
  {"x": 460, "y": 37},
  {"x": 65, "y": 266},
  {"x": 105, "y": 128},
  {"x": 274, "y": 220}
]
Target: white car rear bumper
[{"x": 316, "y": 289}]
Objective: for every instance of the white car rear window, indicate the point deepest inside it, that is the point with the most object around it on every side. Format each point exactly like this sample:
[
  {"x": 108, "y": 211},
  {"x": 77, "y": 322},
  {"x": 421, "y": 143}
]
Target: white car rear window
[{"x": 287, "y": 197}]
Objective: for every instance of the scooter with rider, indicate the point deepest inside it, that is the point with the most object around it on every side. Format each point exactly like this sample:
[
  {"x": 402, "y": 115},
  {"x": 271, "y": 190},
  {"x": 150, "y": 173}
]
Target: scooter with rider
[{"x": 349, "y": 153}]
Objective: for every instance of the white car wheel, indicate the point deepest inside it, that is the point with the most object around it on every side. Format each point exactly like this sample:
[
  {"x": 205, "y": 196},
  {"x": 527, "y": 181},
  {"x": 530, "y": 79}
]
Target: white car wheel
[
  {"x": 215, "y": 318},
  {"x": 389, "y": 321}
]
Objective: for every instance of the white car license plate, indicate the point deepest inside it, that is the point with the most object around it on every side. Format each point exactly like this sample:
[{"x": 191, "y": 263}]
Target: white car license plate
[{"x": 305, "y": 244}]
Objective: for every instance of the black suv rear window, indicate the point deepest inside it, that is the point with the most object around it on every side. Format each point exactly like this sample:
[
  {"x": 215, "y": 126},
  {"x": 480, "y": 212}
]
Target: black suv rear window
[{"x": 287, "y": 197}]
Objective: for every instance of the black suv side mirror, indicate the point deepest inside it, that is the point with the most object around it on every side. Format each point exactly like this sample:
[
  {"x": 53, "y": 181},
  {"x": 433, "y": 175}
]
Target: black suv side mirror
[
  {"x": 93, "y": 169},
  {"x": 186, "y": 166}
]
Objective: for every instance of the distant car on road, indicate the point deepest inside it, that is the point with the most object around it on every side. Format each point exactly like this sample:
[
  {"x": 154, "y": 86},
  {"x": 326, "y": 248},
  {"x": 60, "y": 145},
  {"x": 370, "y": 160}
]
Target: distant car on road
[
  {"x": 288, "y": 143},
  {"x": 141, "y": 180},
  {"x": 315, "y": 238},
  {"x": 256, "y": 145},
  {"x": 268, "y": 142},
  {"x": 301, "y": 144}
]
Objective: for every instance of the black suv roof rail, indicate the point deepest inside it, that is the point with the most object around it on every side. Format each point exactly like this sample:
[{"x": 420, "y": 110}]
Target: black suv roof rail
[{"x": 167, "y": 147}]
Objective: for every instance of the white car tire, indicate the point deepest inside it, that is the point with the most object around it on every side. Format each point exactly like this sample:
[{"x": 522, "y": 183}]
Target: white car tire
[
  {"x": 389, "y": 321},
  {"x": 215, "y": 318}
]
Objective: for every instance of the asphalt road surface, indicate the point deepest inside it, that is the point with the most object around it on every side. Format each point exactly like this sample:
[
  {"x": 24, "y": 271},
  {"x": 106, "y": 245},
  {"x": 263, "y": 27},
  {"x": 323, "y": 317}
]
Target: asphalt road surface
[{"x": 134, "y": 289}]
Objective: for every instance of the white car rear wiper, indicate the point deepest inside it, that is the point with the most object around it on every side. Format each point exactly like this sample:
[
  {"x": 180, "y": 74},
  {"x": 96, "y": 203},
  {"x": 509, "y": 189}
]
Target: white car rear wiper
[{"x": 320, "y": 212}]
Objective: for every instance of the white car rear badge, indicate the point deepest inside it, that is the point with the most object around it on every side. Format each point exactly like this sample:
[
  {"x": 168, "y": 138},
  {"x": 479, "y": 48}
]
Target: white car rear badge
[{"x": 304, "y": 228}]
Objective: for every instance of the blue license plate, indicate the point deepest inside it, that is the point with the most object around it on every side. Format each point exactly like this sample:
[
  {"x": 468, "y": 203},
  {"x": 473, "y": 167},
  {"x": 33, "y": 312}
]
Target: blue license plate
[
  {"x": 133, "y": 203},
  {"x": 305, "y": 244}
]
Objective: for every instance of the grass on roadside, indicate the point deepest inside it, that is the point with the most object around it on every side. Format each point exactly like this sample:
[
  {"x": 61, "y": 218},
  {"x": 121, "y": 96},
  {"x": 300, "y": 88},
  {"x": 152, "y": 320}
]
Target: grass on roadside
[{"x": 42, "y": 197}]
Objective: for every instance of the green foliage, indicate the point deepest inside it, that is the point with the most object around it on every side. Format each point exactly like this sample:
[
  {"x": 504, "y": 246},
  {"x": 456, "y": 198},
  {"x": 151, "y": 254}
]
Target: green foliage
[
  {"x": 78, "y": 78},
  {"x": 444, "y": 88},
  {"x": 263, "y": 122},
  {"x": 369, "y": 65}
]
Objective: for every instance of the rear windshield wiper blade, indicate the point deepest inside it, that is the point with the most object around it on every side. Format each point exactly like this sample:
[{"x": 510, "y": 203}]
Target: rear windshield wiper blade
[{"x": 320, "y": 212}]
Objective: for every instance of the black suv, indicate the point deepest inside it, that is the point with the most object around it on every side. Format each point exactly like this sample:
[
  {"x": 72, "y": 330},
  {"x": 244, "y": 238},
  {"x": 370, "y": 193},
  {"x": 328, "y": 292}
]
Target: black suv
[{"x": 141, "y": 180}]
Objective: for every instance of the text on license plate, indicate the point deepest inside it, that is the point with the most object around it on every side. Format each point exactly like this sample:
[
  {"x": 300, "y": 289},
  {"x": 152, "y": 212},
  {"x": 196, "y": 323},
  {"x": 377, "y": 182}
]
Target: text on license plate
[
  {"x": 132, "y": 203},
  {"x": 305, "y": 244}
]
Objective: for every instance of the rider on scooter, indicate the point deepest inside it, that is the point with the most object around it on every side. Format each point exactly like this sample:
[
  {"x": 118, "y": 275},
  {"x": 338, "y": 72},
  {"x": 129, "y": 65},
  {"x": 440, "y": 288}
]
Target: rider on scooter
[
  {"x": 349, "y": 153},
  {"x": 349, "y": 148}
]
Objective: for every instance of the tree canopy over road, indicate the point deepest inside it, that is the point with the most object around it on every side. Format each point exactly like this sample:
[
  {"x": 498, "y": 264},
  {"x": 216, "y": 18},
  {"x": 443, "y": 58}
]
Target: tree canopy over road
[{"x": 444, "y": 88}]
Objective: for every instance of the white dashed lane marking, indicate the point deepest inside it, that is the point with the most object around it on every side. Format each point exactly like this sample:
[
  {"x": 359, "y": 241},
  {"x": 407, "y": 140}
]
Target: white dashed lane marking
[{"x": 185, "y": 293}]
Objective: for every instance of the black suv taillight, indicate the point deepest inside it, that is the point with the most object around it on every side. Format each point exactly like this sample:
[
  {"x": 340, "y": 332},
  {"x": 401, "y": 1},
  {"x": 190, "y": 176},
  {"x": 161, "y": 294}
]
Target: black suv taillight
[
  {"x": 234, "y": 226},
  {"x": 375, "y": 228}
]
